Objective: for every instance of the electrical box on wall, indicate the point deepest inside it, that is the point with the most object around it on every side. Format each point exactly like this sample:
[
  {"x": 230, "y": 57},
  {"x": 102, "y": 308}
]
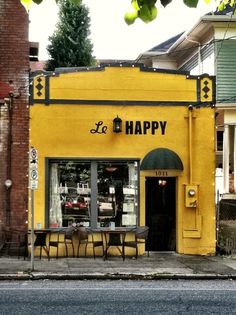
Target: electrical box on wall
[{"x": 191, "y": 196}]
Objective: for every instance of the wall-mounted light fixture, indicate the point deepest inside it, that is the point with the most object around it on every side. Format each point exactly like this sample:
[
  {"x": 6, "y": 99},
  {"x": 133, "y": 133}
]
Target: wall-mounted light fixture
[
  {"x": 117, "y": 124},
  {"x": 191, "y": 192},
  {"x": 8, "y": 183},
  {"x": 191, "y": 196}
]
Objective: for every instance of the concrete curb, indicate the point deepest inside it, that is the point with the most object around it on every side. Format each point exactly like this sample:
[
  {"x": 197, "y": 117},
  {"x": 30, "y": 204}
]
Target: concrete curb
[{"x": 116, "y": 276}]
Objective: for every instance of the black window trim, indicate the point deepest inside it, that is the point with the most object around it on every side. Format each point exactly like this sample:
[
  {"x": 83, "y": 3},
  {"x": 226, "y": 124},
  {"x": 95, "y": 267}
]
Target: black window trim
[{"x": 49, "y": 160}]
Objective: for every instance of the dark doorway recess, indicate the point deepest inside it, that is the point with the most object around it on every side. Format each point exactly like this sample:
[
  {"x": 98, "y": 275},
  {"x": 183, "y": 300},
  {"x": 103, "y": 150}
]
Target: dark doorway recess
[{"x": 161, "y": 213}]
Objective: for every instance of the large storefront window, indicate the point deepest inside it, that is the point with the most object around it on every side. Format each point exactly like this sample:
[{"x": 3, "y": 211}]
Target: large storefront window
[
  {"x": 117, "y": 193},
  {"x": 69, "y": 200},
  {"x": 93, "y": 193}
]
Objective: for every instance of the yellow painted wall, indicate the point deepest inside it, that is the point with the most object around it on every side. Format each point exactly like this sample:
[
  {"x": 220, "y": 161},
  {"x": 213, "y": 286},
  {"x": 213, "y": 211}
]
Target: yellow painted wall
[
  {"x": 97, "y": 85},
  {"x": 63, "y": 130}
]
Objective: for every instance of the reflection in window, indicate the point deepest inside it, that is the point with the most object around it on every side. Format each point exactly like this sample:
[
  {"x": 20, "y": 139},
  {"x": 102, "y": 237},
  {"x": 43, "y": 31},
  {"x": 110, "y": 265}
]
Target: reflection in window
[
  {"x": 116, "y": 195},
  {"x": 69, "y": 194}
]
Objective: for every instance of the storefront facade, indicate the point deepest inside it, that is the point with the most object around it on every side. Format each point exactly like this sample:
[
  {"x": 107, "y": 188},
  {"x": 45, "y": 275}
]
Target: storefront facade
[{"x": 127, "y": 145}]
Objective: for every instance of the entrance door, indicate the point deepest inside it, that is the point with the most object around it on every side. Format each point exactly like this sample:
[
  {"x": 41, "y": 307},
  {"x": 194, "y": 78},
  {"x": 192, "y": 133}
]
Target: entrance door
[{"x": 160, "y": 213}]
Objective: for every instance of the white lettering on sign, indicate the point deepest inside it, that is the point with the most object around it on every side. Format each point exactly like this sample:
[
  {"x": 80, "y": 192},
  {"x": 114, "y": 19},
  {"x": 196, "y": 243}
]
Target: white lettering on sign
[
  {"x": 33, "y": 154},
  {"x": 33, "y": 184},
  {"x": 161, "y": 173},
  {"x": 33, "y": 174}
]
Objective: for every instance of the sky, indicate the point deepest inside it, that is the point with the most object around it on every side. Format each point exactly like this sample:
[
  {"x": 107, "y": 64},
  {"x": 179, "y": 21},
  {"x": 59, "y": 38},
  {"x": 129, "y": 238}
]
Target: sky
[{"x": 110, "y": 36}]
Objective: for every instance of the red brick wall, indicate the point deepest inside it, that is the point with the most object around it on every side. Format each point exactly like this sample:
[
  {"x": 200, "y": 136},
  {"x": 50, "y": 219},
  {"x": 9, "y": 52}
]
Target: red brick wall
[{"x": 14, "y": 119}]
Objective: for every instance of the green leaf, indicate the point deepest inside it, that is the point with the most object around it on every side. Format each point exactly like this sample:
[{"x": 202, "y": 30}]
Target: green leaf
[
  {"x": 154, "y": 12},
  {"x": 232, "y": 2},
  {"x": 147, "y": 14},
  {"x": 135, "y": 5},
  {"x": 191, "y": 3},
  {"x": 144, "y": 13},
  {"x": 37, "y": 1},
  {"x": 221, "y": 6},
  {"x": 165, "y": 2},
  {"x": 26, "y": 4},
  {"x": 130, "y": 17},
  {"x": 150, "y": 3},
  {"x": 75, "y": 1}
]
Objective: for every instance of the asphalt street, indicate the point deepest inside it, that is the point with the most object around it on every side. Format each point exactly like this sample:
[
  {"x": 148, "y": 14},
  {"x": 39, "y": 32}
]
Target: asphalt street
[{"x": 118, "y": 297}]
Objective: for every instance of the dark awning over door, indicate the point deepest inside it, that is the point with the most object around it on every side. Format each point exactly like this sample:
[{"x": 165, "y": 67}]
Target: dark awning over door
[{"x": 161, "y": 158}]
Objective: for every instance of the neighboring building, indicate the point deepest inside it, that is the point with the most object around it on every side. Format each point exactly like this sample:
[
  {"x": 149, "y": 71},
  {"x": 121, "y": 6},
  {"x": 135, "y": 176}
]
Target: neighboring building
[
  {"x": 35, "y": 63},
  {"x": 209, "y": 46},
  {"x": 37, "y": 66},
  {"x": 14, "y": 115},
  {"x": 130, "y": 145}
]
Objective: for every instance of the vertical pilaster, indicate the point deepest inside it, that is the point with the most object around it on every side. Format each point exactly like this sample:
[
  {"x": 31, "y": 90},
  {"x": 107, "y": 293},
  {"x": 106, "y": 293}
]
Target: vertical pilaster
[{"x": 226, "y": 159}]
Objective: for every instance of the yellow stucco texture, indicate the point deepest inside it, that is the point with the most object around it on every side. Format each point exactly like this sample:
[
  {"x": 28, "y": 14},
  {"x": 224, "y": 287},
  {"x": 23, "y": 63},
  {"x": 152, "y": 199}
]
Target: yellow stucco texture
[{"x": 135, "y": 84}]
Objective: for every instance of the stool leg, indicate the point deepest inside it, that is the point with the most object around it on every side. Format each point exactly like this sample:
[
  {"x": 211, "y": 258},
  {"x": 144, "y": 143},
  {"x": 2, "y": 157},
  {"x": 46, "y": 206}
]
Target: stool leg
[
  {"x": 78, "y": 249},
  {"x": 93, "y": 252},
  {"x": 66, "y": 250},
  {"x": 73, "y": 249}
]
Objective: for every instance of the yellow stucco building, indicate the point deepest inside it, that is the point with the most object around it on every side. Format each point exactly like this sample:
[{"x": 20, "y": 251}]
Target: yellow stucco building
[{"x": 128, "y": 145}]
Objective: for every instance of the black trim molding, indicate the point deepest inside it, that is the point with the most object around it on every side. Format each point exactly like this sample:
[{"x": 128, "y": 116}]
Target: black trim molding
[
  {"x": 119, "y": 103},
  {"x": 57, "y": 72}
]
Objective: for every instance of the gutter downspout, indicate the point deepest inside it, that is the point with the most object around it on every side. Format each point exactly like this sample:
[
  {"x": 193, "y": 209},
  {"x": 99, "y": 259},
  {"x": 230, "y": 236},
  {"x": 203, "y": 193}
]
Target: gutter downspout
[
  {"x": 191, "y": 201},
  {"x": 199, "y": 53},
  {"x": 8, "y": 173},
  {"x": 190, "y": 122}
]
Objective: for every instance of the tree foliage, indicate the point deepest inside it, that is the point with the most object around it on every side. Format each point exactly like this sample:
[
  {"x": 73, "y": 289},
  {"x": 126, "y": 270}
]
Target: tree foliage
[
  {"x": 147, "y": 10},
  {"x": 70, "y": 45}
]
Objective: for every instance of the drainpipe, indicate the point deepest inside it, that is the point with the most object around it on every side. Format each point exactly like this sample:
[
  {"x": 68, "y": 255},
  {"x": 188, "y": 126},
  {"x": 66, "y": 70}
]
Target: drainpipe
[
  {"x": 199, "y": 53},
  {"x": 190, "y": 122},
  {"x": 8, "y": 182}
]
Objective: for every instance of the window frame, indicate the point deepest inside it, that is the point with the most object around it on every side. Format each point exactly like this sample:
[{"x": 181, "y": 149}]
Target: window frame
[{"x": 94, "y": 188}]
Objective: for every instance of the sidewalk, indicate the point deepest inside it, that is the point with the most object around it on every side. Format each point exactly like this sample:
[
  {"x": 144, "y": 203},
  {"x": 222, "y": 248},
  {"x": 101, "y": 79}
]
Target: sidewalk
[{"x": 157, "y": 266}]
